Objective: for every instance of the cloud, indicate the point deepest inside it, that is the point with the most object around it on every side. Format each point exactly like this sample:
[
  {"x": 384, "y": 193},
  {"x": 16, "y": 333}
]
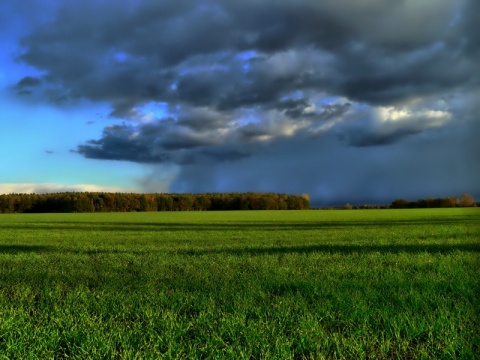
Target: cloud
[
  {"x": 387, "y": 125},
  {"x": 24, "y": 92},
  {"x": 166, "y": 141},
  {"x": 28, "y": 82},
  {"x": 44, "y": 188},
  {"x": 345, "y": 49},
  {"x": 441, "y": 165},
  {"x": 26, "y": 85},
  {"x": 299, "y": 82}
]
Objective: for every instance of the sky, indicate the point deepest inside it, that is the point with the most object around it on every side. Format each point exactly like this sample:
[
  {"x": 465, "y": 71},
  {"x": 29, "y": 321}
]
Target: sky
[{"x": 347, "y": 101}]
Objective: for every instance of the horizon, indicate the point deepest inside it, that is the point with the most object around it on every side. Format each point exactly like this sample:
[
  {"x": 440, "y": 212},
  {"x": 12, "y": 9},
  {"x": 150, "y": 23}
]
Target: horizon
[
  {"x": 458, "y": 199},
  {"x": 359, "y": 103}
]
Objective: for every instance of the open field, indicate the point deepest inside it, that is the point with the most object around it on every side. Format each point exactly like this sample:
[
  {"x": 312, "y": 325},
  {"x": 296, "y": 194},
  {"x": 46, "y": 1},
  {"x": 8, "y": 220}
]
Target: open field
[{"x": 271, "y": 284}]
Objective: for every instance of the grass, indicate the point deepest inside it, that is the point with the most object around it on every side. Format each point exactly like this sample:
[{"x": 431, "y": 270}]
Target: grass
[{"x": 374, "y": 284}]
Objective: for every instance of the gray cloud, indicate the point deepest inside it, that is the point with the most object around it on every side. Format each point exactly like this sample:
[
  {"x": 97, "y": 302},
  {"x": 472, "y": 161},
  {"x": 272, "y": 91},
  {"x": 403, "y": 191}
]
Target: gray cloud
[
  {"x": 117, "y": 143},
  {"x": 435, "y": 166},
  {"x": 343, "y": 48},
  {"x": 24, "y": 92},
  {"x": 197, "y": 135},
  {"x": 26, "y": 85},
  {"x": 28, "y": 82},
  {"x": 204, "y": 119},
  {"x": 244, "y": 81},
  {"x": 387, "y": 125}
]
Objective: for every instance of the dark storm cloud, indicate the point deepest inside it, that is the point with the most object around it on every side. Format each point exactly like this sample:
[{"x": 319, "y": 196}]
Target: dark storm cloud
[
  {"x": 333, "y": 174},
  {"x": 203, "y": 119},
  {"x": 117, "y": 143},
  {"x": 333, "y": 110},
  {"x": 471, "y": 40},
  {"x": 24, "y": 92},
  {"x": 363, "y": 138},
  {"x": 386, "y": 126},
  {"x": 298, "y": 108},
  {"x": 254, "y": 131},
  {"x": 168, "y": 140},
  {"x": 25, "y": 85},
  {"x": 131, "y": 54},
  {"x": 244, "y": 80},
  {"x": 28, "y": 82}
]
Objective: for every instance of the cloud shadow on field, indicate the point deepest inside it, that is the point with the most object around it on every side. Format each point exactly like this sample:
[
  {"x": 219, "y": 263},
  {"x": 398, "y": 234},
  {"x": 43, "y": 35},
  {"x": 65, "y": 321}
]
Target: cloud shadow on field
[
  {"x": 336, "y": 249},
  {"x": 24, "y": 249},
  {"x": 19, "y": 249},
  {"x": 231, "y": 226},
  {"x": 253, "y": 251}
]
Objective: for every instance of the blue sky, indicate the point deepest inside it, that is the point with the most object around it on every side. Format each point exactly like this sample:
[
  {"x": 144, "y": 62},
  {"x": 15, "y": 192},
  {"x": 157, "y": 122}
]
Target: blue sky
[
  {"x": 37, "y": 137},
  {"x": 37, "y": 141},
  {"x": 360, "y": 102}
]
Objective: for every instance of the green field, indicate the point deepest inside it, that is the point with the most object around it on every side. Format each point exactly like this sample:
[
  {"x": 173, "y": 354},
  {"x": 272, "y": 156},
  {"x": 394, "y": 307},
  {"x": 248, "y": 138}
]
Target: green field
[{"x": 380, "y": 284}]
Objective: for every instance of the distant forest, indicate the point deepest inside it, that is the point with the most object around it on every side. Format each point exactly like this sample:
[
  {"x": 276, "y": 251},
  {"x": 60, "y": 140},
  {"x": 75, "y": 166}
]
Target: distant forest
[
  {"x": 122, "y": 202},
  {"x": 68, "y": 202},
  {"x": 466, "y": 200}
]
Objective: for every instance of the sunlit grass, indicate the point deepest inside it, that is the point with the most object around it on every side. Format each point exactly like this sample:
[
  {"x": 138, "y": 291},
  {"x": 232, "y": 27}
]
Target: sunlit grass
[{"x": 312, "y": 284}]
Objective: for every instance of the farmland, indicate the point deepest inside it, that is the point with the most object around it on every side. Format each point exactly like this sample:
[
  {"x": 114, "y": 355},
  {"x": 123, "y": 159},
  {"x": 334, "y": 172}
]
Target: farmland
[{"x": 252, "y": 284}]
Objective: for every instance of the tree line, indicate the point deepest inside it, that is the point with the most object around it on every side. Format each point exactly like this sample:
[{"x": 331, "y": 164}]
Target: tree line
[
  {"x": 67, "y": 202},
  {"x": 466, "y": 200}
]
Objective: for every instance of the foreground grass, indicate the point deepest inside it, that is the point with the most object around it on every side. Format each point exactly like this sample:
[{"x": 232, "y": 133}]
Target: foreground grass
[{"x": 297, "y": 284}]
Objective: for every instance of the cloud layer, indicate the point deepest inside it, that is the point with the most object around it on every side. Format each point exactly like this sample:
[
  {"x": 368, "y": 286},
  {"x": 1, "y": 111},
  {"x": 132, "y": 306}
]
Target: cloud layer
[
  {"x": 228, "y": 89},
  {"x": 44, "y": 188}
]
